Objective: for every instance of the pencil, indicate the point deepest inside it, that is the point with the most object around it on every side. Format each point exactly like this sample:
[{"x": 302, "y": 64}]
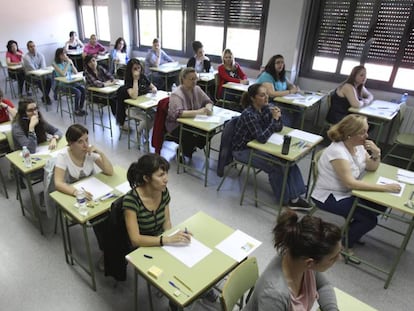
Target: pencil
[{"x": 185, "y": 285}]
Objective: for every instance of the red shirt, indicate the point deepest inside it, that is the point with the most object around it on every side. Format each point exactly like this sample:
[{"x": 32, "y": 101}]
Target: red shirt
[{"x": 4, "y": 115}]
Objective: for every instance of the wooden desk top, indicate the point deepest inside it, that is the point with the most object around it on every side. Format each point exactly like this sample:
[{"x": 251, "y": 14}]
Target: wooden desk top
[
  {"x": 385, "y": 198},
  {"x": 147, "y": 101},
  {"x": 107, "y": 89},
  {"x": 42, "y": 72},
  {"x": 202, "y": 275},
  {"x": 222, "y": 113},
  {"x": 236, "y": 86},
  {"x": 295, "y": 152},
  {"x": 15, "y": 67},
  {"x": 168, "y": 67},
  {"x": 75, "y": 78},
  {"x": 67, "y": 202},
  {"x": 348, "y": 302}
]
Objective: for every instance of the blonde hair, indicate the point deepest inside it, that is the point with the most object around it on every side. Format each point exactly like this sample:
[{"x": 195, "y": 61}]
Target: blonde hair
[
  {"x": 351, "y": 125},
  {"x": 184, "y": 72},
  {"x": 228, "y": 51}
]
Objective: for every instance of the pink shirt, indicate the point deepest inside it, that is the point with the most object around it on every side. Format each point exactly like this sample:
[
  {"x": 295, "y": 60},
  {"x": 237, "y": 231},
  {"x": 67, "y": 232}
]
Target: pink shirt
[
  {"x": 14, "y": 58},
  {"x": 93, "y": 50},
  {"x": 308, "y": 294}
]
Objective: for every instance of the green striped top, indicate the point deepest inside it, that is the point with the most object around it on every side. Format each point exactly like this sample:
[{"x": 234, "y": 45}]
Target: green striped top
[{"x": 149, "y": 222}]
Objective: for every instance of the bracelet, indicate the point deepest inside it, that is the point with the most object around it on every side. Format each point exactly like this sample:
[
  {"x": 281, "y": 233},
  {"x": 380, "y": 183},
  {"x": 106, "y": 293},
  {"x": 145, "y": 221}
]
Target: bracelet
[{"x": 161, "y": 244}]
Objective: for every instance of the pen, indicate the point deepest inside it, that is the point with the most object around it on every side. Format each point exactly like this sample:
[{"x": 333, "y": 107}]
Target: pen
[
  {"x": 185, "y": 230},
  {"x": 176, "y": 287},
  {"x": 147, "y": 256}
]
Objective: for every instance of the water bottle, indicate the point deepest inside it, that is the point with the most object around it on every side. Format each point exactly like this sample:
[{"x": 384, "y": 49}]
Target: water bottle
[
  {"x": 81, "y": 200},
  {"x": 404, "y": 98},
  {"x": 27, "y": 159},
  {"x": 69, "y": 74},
  {"x": 211, "y": 69},
  {"x": 173, "y": 87}
]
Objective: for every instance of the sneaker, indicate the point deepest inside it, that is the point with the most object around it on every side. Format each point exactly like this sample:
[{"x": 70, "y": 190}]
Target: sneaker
[{"x": 300, "y": 204}]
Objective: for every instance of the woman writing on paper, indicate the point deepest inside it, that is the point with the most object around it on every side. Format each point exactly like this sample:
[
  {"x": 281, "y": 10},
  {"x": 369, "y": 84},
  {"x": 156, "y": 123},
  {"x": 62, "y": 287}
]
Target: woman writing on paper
[
  {"x": 188, "y": 101},
  {"x": 30, "y": 129},
  {"x": 294, "y": 279},
  {"x": 339, "y": 169},
  {"x": 351, "y": 93},
  {"x": 259, "y": 121},
  {"x": 77, "y": 162}
]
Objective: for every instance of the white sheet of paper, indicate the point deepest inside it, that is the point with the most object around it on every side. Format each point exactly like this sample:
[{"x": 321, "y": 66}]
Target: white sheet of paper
[
  {"x": 225, "y": 114},
  {"x": 5, "y": 127},
  {"x": 42, "y": 150},
  {"x": 385, "y": 181},
  {"x": 276, "y": 139},
  {"x": 124, "y": 187},
  {"x": 308, "y": 100},
  {"x": 149, "y": 103},
  {"x": 312, "y": 138},
  {"x": 189, "y": 254},
  {"x": 208, "y": 119},
  {"x": 94, "y": 186},
  {"x": 238, "y": 245}
]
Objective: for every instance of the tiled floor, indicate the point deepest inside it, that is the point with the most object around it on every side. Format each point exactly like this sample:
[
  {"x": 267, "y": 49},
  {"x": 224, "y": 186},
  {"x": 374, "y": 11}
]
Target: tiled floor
[{"x": 35, "y": 276}]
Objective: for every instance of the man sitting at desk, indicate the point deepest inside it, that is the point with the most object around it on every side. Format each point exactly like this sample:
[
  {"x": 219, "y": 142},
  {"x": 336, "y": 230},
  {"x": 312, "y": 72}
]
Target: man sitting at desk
[
  {"x": 259, "y": 122},
  {"x": 93, "y": 47},
  {"x": 156, "y": 57},
  {"x": 34, "y": 60}
]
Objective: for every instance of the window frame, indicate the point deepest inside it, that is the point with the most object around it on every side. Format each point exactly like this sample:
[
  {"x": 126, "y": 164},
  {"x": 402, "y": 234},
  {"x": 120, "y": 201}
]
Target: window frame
[
  {"x": 83, "y": 37},
  {"x": 315, "y": 13},
  {"x": 189, "y": 20}
]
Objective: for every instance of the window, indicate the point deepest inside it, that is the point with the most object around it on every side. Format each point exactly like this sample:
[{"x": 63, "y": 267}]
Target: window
[
  {"x": 376, "y": 33},
  {"x": 237, "y": 24},
  {"x": 95, "y": 19},
  {"x": 161, "y": 19}
]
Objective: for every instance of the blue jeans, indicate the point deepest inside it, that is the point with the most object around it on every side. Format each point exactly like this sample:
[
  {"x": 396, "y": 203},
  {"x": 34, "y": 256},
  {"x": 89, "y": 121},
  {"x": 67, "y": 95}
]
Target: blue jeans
[
  {"x": 362, "y": 221},
  {"x": 79, "y": 91},
  {"x": 294, "y": 185}
]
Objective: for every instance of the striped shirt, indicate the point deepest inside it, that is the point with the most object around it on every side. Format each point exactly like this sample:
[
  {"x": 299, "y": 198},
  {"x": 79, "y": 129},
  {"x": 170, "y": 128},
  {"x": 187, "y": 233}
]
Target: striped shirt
[{"x": 149, "y": 222}]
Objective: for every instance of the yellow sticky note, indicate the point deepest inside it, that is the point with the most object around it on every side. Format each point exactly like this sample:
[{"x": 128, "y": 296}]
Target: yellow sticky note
[{"x": 155, "y": 272}]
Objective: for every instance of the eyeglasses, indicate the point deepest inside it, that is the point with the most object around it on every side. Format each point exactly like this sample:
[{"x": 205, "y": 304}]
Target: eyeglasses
[{"x": 32, "y": 109}]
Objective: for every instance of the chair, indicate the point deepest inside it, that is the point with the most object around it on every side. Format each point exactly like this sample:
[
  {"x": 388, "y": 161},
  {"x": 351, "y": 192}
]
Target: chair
[
  {"x": 9, "y": 80},
  {"x": 404, "y": 140},
  {"x": 326, "y": 125},
  {"x": 314, "y": 170},
  {"x": 65, "y": 92},
  {"x": 221, "y": 101},
  {"x": 241, "y": 279}
]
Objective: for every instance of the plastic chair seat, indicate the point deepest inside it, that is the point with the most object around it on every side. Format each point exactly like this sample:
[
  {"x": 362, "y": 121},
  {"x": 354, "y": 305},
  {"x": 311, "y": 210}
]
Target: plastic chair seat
[{"x": 406, "y": 139}]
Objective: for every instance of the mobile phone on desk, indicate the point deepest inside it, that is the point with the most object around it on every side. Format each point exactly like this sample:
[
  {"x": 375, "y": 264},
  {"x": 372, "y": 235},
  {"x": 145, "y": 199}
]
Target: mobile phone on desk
[{"x": 286, "y": 144}]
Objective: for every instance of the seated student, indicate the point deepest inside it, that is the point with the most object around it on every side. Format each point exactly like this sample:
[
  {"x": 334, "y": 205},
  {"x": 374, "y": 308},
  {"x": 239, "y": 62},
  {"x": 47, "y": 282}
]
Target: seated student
[
  {"x": 154, "y": 58},
  {"x": 259, "y": 121},
  {"x": 351, "y": 93},
  {"x": 97, "y": 76},
  {"x": 14, "y": 57},
  {"x": 294, "y": 279},
  {"x": 73, "y": 43},
  {"x": 339, "y": 169},
  {"x": 76, "y": 162},
  {"x": 30, "y": 129},
  {"x": 7, "y": 110},
  {"x": 274, "y": 80},
  {"x": 119, "y": 57},
  {"x": 187, "y": 101},
  {"x": 62, "y": 64},
  {"x": 230, "y": 71},
  {"x": 136, "y": 84},
  {"x": 200, "y": 62},
  {"x": 35, "y": 60},
  {"x": 93, "y": 47}
]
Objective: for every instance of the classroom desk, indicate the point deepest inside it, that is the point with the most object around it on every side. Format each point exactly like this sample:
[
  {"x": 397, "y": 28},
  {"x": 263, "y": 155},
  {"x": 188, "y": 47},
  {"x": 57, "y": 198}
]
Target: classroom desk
[
  {"x": 205, "y": 129},
  {"x": 65, "y": 90},
  {"x": 106, "y": 93},
  {"x": 198, "y": 278},
  {"x": 300, "y": 103},
  {"x": 70, "y": 216},
  {"x": 234, "y": 89},
  {"x": 167, "y": 70},
  {"x": 146, "y": 103},
  {"x": 392, "y": 202},
  {"x": 40, "y": 75},
  {"x": 275, "y": 156},
  {"x": 207, "y": 81},
  {"x": 378, "y": 113},
  {"x": 5, "y": 138},
  {"x": 347, "y": 302},
  {"x": 104, "y": 59},
  {"x": 77, "y": 58},
  {"x": 38, "y": 162},
  {"x": 14, "y": 71}
]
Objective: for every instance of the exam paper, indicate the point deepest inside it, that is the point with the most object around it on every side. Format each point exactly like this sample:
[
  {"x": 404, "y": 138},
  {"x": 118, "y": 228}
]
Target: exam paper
[
  {"x": 94, "y": 186},
  {"x": 238, "y": 245},
  {"x": 208, "y": 119},
  {"x": 189, "y": 254},
  {"x": 149, "y": 103},
  {"x": 124, "y": 187},
  {"x": 276, "y": 139},
  {"x": 5, "y": 127},
  {"x": 312, "y": 138},
  {"x": 405, "y": 176},
  {"x": 386, "y": 181}
]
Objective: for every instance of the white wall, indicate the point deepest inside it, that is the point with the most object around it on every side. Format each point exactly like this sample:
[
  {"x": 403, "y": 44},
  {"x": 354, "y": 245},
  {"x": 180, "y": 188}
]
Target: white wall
[{"x": 46, "y": 22}]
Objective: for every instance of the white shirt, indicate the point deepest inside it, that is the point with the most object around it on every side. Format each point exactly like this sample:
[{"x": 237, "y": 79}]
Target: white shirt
[{"x": 328, "y": 182}]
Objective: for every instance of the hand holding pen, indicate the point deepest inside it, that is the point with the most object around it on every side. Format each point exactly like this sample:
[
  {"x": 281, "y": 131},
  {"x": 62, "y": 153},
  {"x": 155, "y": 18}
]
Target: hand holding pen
[{"x": 181, "y": 237}]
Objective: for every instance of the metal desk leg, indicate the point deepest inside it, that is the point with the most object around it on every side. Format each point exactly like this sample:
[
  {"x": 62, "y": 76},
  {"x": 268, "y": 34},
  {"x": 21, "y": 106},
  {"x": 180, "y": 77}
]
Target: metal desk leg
[
  {"x": 247, "y": 176},
  {"x": 18, "y": 189},
  {"x": 180, "y": 156},
  {"x": 36, "y": 210},
  {"x": 109, "y": 114},
  {"x": 93, "y": 113},
  {"x": 166, "y": 82},
  {"x": 88, "y": 252},
  {"x": 381, "y": 126},
  {"x": 147, "y": 130},
  {"x": 282, "y": 193},
  {"x": 64, "y": 233},
  {"x": 207, "y": 159},
  {"x": 129, "y": 129},
  {"x": 302, "y": 122},
  {"x": 135, "y": 289}
]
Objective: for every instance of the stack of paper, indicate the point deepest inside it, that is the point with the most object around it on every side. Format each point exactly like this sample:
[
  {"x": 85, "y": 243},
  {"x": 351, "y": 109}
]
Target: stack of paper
[
  {"x": 386, "y": 181},
  {"x": 238, "y": 245},
  {"x": 94, "y": 186},
  {"x": 405, "y": 176}
]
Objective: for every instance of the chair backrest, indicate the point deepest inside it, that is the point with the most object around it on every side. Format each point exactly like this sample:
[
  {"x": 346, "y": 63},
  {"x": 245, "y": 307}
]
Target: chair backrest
[
  {"x": 216, "y": 83},
  {"x": 49, "y": 185},
  {"x": 159, "y": 124},
  {"x": 329, "y": 102},
  {"x": 225, "y": 154},
  {"x": 240, "y": 280},
  {"x": 314, "y": 169}
]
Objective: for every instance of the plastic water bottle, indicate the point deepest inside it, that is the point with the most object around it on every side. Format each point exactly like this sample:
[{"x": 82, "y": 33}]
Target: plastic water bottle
[
  {"x": 81, "y": 200},
  {"x": 69, "y": 74},
  {"x": 404, "y": 98},
  {"x": 27, "y": 159},
  {"x": 211, "y": 69},
  {"x": 173, "y": 87}
]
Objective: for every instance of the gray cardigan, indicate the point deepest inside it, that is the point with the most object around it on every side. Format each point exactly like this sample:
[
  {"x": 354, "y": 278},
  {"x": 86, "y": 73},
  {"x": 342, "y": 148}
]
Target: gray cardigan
[{"x": 271, "y": 291}]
